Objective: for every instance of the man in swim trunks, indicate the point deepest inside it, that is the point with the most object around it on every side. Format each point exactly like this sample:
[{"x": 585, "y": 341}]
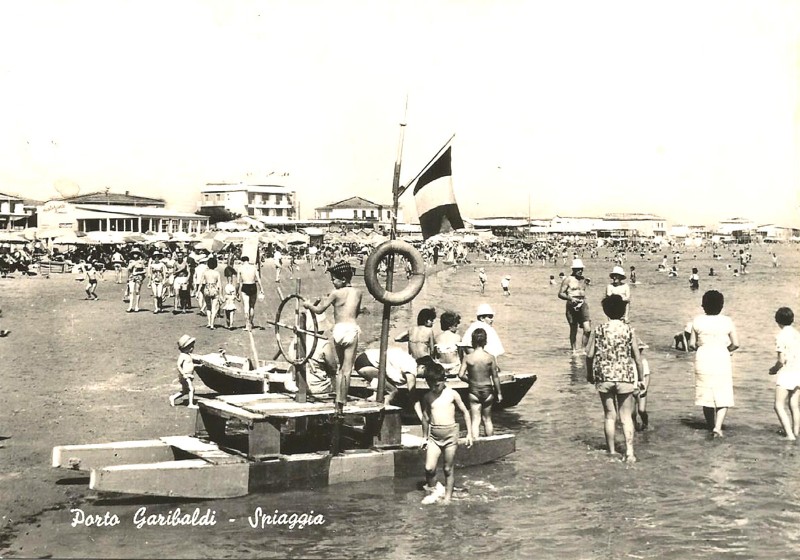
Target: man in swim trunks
[
  {"x": 479, "y": 370},
  {"x": 573, "y": 291},
  {"x": 441, "y": 430},
  {"x": 346, "y": 302},
  {"x": 249, "y": 284},
  {"x": 136, "y": 272}
]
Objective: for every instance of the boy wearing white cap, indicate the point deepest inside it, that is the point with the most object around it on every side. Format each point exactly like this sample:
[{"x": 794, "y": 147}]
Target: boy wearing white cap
[
  {"x": 573, "y": 291},
  {"x": 505, "y": 283},
  {"x": 185, "y": 371}
]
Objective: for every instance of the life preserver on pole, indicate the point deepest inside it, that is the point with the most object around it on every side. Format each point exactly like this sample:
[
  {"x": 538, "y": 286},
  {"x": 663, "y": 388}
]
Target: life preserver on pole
[{"x": 415, "y": 282}]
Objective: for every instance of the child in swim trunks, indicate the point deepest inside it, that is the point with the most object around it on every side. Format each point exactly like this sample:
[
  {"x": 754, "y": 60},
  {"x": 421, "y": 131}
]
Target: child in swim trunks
[
  {"x": 641, "y": 394},
  {"x": 346, "y": 302},
  {"x": 441, "y": 430},
  {"x": 185, "y": 371},
  {"x": 479, "y": 370},
  {"x": 787, "y": 368}
]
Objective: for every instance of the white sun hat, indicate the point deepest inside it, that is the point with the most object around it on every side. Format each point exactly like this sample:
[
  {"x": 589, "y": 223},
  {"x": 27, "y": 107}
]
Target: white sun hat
[
  {"x": 577, "y": 263},
  {"x": 484, "y": 309},
  {"x": 617, "y": 271}
]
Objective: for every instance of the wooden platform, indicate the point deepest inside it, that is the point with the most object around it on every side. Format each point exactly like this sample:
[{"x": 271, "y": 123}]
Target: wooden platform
[{"x": 266, "y": 425}]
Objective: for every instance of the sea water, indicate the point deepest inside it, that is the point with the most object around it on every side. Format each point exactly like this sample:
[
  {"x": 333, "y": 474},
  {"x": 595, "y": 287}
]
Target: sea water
[{"x": 559, "y": 495}]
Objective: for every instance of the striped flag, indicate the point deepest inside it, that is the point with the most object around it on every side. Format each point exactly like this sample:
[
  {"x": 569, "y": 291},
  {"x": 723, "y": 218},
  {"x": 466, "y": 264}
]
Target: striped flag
[{"x": 436, "y": 203}]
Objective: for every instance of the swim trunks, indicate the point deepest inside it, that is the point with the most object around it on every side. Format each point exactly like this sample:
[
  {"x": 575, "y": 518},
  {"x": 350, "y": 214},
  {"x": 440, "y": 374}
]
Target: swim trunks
[
  {"x": 443, "y": 436},
  {"x": 481, "y": 392},
  {"x": 577, "y": 314},
  {"x": 615, "y": 387},
  {"x": 362, "y": 361},
  {"x": 249, "y": 289},
  {"x": 345, "y": 334}
]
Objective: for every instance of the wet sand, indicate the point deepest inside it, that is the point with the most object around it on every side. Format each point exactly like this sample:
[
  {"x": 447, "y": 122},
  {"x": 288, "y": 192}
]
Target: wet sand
[{"x": 79, "y": 371}]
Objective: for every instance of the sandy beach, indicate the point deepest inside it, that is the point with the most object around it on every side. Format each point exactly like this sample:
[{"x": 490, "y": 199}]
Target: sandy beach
[{"x": 79, "y": 371}]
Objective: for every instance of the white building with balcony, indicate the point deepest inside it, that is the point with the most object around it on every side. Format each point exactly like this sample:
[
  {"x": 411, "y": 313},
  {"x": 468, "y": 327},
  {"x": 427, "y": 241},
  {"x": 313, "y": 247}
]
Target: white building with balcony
[
  {"x": 13, "y": 213},
  {"x": 357, "y": 209},
  {"x": 256, "y": 201}
]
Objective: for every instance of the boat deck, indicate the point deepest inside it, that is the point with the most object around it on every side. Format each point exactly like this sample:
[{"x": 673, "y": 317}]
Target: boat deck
[{"x": 267, "y": 425}]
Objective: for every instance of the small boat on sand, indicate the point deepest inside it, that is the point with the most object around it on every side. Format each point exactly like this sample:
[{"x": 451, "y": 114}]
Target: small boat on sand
[{"x": 231, "y": 375}]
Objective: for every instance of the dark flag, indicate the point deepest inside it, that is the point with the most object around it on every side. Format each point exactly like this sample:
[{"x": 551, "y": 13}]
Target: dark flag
[{"x": 436, "y": 203}]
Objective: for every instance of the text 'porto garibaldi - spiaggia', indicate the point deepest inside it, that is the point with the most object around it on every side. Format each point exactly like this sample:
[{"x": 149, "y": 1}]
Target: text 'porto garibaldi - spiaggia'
[{"x": 196, "y": 518}]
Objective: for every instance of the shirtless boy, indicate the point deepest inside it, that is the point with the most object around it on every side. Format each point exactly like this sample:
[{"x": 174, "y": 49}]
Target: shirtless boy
[
  {"x": 249, "y": 283},
  {"x": 441, "y": 430},
  {"x": 573, "y": 291},
  {"x": 346, "y": 302},
  {"x": 479, "y": 370}
]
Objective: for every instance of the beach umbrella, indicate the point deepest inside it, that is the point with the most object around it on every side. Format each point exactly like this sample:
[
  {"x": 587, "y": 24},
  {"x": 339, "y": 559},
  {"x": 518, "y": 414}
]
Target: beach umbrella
[
  {"x": 181, "y": 236},
  {"x": 297, "y": 238},
  {"x": 12, "y": 237},
  {"x": 134, "y": 238}
]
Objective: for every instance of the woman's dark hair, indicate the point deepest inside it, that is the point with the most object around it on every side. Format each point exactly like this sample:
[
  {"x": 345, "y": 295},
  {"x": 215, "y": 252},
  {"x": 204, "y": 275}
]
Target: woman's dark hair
[
  {"x": 212, "y": 263},
  {"x": 713, "y": 302},
  {"x": 614, "y": 306},
  {"x": 427, "y": 314},
  {"x": 449, "y": 319},
  {"x": 478, "y": 338},
  {"x": 784, "y": 316}
]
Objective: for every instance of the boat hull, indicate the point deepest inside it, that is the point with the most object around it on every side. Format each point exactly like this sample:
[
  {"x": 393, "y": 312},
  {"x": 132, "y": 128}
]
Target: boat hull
[{"x": 192, "y": 468}]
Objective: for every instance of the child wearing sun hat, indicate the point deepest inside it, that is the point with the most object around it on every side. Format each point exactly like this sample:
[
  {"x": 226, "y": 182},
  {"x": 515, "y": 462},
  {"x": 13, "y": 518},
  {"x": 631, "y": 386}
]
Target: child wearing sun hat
[
  {"x": 185, "y": 371},
  {"x": 619, "y": 287}
]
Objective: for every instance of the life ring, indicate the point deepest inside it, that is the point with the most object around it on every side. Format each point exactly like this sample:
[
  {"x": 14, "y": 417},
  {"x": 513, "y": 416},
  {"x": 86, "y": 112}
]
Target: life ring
[
  {"x": 415, "y": 282},
  {"x": 284, "y": 350}
]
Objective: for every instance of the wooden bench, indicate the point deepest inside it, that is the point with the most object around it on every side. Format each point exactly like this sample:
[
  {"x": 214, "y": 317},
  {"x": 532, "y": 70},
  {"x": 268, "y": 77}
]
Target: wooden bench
[{"x": 264, "y": 426}]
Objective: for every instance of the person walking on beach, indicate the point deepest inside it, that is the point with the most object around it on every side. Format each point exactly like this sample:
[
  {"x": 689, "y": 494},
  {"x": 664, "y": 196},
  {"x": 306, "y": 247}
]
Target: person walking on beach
[
  {"x": 346, "y": 302},
  {"x": 505, "y": 284},
  {"x": 482, "y": 279},
  {"x": 117, "y": 262},
  {"x": 136, "y": 273},
  {"x": 185, "y": 371},
  {"x": 277, "y": 258},
  {"x": 787, "y": 371},
  {"x": 211, "y": 287},
  {"x": 249, "y": 288},
  {"x": 614, "y": 366},
  {"x": 714, "y": 337},
  {"x": 573, "y": 291},
  {"x": 441, "y": 432},
  {"x": 479, "y": 371},
  {"x": 157, "y": 274}
]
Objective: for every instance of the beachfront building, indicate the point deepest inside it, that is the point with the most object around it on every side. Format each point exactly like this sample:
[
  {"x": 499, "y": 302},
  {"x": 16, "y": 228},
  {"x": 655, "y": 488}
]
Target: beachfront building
[
  {"x": 276, "y": 202},
  {"x": 356, "y": 209},
  {"x": 575, "y": 225},
  {"x": 629, "y": 226},
  {"x": 108, "y": 198},
  {"x": 735, "y": 225},
  {"x": 14, "y": 212},
  {"x": 773, "y": 233},
  {"x": 63, "y": 215},
  {"x": 499, "y": 226}
]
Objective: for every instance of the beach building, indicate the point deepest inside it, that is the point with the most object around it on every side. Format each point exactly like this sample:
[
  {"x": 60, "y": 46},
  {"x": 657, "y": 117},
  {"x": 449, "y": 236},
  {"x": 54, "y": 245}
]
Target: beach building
[
  {"x": 108, "y": 198},
  {"x": 735, "y": 225},
  {"x": 61, "y": 214},
  {"x": 357, "y": 210},
  {"x": 632, "y": 226},
  {"x": 499, "y": 226},
  {"x": 774, "y": 233},
  {"x": 15, "y": 212},
  {"x": 276, "y": 202},
  {"x": 576, "y": 225}
]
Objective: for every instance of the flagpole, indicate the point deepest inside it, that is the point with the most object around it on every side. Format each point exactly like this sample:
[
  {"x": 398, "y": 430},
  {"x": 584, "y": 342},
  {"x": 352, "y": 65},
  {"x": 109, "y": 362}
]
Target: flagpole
[{"x": 387, "y": 309}]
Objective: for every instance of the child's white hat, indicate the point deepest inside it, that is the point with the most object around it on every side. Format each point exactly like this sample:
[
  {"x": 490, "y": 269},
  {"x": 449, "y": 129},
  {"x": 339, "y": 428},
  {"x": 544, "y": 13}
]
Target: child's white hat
[
  {"x": 484, "y": 309},
  {"x": 617, "y": 271},
  {"x": 577, "y": 263},
  {"x": 185, "y": 341}
]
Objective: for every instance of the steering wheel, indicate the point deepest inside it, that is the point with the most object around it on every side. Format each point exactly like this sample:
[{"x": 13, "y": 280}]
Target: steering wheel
[{"x": 296, "y": 329}]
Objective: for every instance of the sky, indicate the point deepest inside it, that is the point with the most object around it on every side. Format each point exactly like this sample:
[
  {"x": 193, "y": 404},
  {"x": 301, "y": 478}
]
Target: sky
[{"x": 684, "y": 109}]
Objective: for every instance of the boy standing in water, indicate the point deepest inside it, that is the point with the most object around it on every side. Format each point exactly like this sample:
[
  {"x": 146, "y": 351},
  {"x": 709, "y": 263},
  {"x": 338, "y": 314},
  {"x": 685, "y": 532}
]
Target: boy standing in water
[
  {"x": 479, "y": 370},
  {"x": 787, "y": 368},
  {"x": 346, "y": 302},
  {"x": 441, "y": 432},
  {"x": 641, "y": 394}
]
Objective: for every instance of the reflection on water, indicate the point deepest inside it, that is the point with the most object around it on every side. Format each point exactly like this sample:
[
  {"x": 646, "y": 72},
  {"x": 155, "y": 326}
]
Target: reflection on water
[{"x": 559, "y": 495}]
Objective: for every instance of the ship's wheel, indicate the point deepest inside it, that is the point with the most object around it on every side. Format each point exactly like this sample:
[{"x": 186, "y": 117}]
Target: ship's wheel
[{"x": 299, "y": 328}]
